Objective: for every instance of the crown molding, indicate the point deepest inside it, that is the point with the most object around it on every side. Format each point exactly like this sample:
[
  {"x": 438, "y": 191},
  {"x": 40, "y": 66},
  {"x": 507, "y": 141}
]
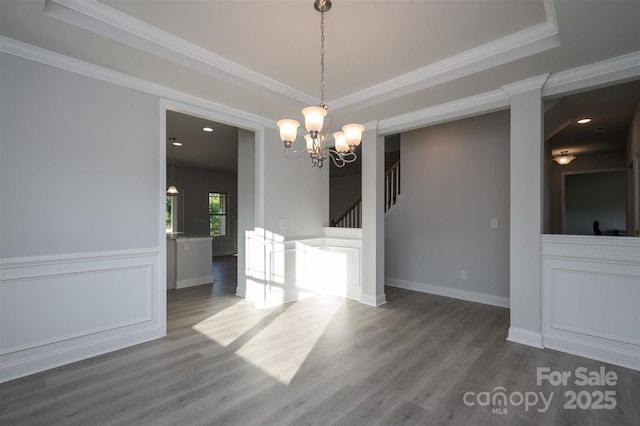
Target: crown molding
[
  {"x": 58, "y": 60},
  {"x": 515, "y": 46},
  {"x": 99, "y": 18},
  {"x": 527, "y": 85},
  {"x": 113, "y": 24},
  {"x": 618, "y": 69},
  {"x": 462, "y": 108}
]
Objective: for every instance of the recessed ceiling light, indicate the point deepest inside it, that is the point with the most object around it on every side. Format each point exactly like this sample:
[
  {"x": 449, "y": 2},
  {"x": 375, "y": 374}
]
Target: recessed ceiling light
[
  {"x": 584, "y": 121},
  {"x": 207, "y": 129}
]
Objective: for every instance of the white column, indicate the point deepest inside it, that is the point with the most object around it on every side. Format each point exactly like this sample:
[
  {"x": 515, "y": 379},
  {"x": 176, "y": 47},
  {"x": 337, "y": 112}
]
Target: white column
[
  {"x": 246, "y": 201},
  {"x": 372, "y": 218},
  {"x": 526, "y": 210}
]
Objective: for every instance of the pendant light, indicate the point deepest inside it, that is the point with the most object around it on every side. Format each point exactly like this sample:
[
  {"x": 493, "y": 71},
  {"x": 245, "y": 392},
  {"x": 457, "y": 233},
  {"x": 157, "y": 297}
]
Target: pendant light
[{"x": 172, "y": 190}]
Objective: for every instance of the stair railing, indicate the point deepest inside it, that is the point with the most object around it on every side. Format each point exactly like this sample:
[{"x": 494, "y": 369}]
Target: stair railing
[{"x": 352, "y": 217}]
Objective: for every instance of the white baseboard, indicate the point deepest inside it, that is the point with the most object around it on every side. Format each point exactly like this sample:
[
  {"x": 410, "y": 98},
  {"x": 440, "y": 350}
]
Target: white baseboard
[
  {"x": 49, "y": 360},
  {"x": 455, "y": 293},
  {"x": 375, "y": 301},
  {"x": 208, "y": 279},
  {"x": 525, "y": 337},
  {"x": 594, "y": 351}
]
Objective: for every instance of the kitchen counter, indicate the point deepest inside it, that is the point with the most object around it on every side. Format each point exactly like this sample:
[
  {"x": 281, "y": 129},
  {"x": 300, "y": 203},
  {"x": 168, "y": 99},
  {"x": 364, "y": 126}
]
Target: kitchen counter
[{"x": 189, "y": 260}]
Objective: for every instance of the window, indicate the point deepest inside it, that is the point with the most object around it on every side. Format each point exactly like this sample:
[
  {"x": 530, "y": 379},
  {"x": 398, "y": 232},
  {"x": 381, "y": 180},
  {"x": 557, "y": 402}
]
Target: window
[
  {"x": 217, "y": 214},
  {"x": 171, "y": 214}
]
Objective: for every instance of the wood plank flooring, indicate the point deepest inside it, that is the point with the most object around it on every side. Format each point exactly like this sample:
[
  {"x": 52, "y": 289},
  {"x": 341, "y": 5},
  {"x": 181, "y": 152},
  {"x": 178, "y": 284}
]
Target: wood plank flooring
[{"x": 318, "y": 361}]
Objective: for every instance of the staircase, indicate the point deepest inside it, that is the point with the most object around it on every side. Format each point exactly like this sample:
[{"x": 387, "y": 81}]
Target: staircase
[{"x": 352, "y": 218}]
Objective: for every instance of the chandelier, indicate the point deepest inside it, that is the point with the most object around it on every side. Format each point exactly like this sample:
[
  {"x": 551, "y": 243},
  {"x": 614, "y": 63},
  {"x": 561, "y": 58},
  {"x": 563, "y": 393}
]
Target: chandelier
[{"x": 345, "y": 141}]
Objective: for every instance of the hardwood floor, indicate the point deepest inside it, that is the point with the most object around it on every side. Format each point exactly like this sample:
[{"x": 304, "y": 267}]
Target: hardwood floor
[{"x": 320, "y": 361}]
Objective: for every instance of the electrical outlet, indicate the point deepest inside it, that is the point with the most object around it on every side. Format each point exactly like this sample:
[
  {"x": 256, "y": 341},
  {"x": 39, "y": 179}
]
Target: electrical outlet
[
  {"x": 494, "y": 223},
  {"x": 463, "y": 275},
  {"x": 186, "y": 246},
  {"x": 281, "y": 223}
]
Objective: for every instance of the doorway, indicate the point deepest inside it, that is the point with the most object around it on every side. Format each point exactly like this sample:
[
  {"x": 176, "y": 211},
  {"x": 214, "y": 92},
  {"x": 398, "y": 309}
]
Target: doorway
[{"x": 248, "y": 207}]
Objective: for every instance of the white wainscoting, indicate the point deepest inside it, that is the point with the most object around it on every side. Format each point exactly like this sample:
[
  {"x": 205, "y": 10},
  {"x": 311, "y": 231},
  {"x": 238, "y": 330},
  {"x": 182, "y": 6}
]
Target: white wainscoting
[
  {"x": 591, "y": 297},
  {"x": 281, "y": 271},
  {"x": 59, "y": 309},
  {"x": 344, "y": 261}
]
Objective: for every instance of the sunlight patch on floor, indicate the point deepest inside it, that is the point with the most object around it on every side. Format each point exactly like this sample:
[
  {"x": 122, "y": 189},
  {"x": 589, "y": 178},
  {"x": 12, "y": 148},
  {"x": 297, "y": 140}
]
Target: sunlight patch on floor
[
  {"x": 292, "y": 348},
  {"x": 229, "y": 324}
]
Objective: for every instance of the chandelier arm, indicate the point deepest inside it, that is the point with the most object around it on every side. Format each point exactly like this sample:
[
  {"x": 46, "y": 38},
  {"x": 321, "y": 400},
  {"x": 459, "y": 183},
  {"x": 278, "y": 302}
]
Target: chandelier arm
[
  {"x": 340, "y": 159},
  {"x": 296, "y": 153}
]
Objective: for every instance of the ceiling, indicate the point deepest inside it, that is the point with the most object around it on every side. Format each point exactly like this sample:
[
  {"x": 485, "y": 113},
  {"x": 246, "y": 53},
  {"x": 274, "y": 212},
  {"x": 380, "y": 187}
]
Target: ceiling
[
  {"x": 383, "y": 58},
  {"x": 217, "y": 150},
  {"x": 610, "y": 109}
]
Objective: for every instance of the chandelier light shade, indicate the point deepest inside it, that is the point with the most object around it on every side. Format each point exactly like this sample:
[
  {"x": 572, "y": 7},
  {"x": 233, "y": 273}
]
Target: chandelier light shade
[
  {"x": 345, "y": 142},
  {"x": 288, "y": 130},
  {"x": 314, "y": 118},
  {"x": 564, "y": 158}
]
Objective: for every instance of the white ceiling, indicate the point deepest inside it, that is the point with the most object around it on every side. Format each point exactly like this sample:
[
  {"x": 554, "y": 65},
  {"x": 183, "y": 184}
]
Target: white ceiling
[{"x": 384, "y": 58}]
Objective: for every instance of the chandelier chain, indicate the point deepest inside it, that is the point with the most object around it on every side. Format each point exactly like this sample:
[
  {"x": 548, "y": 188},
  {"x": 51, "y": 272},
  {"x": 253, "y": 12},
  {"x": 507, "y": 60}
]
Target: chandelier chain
[{"x": 322, "y": 58}]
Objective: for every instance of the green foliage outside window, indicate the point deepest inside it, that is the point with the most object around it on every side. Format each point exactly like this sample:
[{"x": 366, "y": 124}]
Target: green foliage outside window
[
  {"x": 217, "y": 214},
  {"x": 167, "y": 215}
]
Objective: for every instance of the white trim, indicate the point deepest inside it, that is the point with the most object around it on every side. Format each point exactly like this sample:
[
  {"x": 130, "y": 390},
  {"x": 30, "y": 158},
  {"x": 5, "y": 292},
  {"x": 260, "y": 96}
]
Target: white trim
[
  {"x": 612, "y": 70},
  {"x": 64, "y": 346},
  {"x": 259, "y": 160},
  {"x": 472, "y": 296},
  {"x": 374, "y": 301},
  {"x": 592, "y": 350},
  {"x": 527, "y": 85},
  {"x": 483, "y": 103},
  {"x": 525, "y": 337},
  {"x": 343, "y": 233},
  {"x": 7, "y": 263},
  {"x": 147, "y": 317},
  {"x": 58, "y": 60},
  {"x": 101, "y": 19},
  {"x": 208, "y": 279},
  {"x": 601, "y": 249},
  {"x": 113, "y": 24},
  {"x": 521, "y": 44}
]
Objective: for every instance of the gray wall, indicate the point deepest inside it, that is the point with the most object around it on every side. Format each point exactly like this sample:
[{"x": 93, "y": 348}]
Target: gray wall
[
  {"x": 294, "y": 191},
  {"x": 582, "y": 163},
  {"x": 455, "y": 179},
  {"x": 344, "y": 191},
  {"x": 600, "y": 196},
  {"x": 79, "y": 163},
  {"x": 195, "y": 184}
]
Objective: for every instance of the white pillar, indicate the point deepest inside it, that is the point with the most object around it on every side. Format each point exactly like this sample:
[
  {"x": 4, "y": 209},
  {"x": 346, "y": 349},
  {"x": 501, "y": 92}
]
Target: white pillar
[
  {"x": 372, "y": 218},
  {"x": 526, "y": 210}
]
